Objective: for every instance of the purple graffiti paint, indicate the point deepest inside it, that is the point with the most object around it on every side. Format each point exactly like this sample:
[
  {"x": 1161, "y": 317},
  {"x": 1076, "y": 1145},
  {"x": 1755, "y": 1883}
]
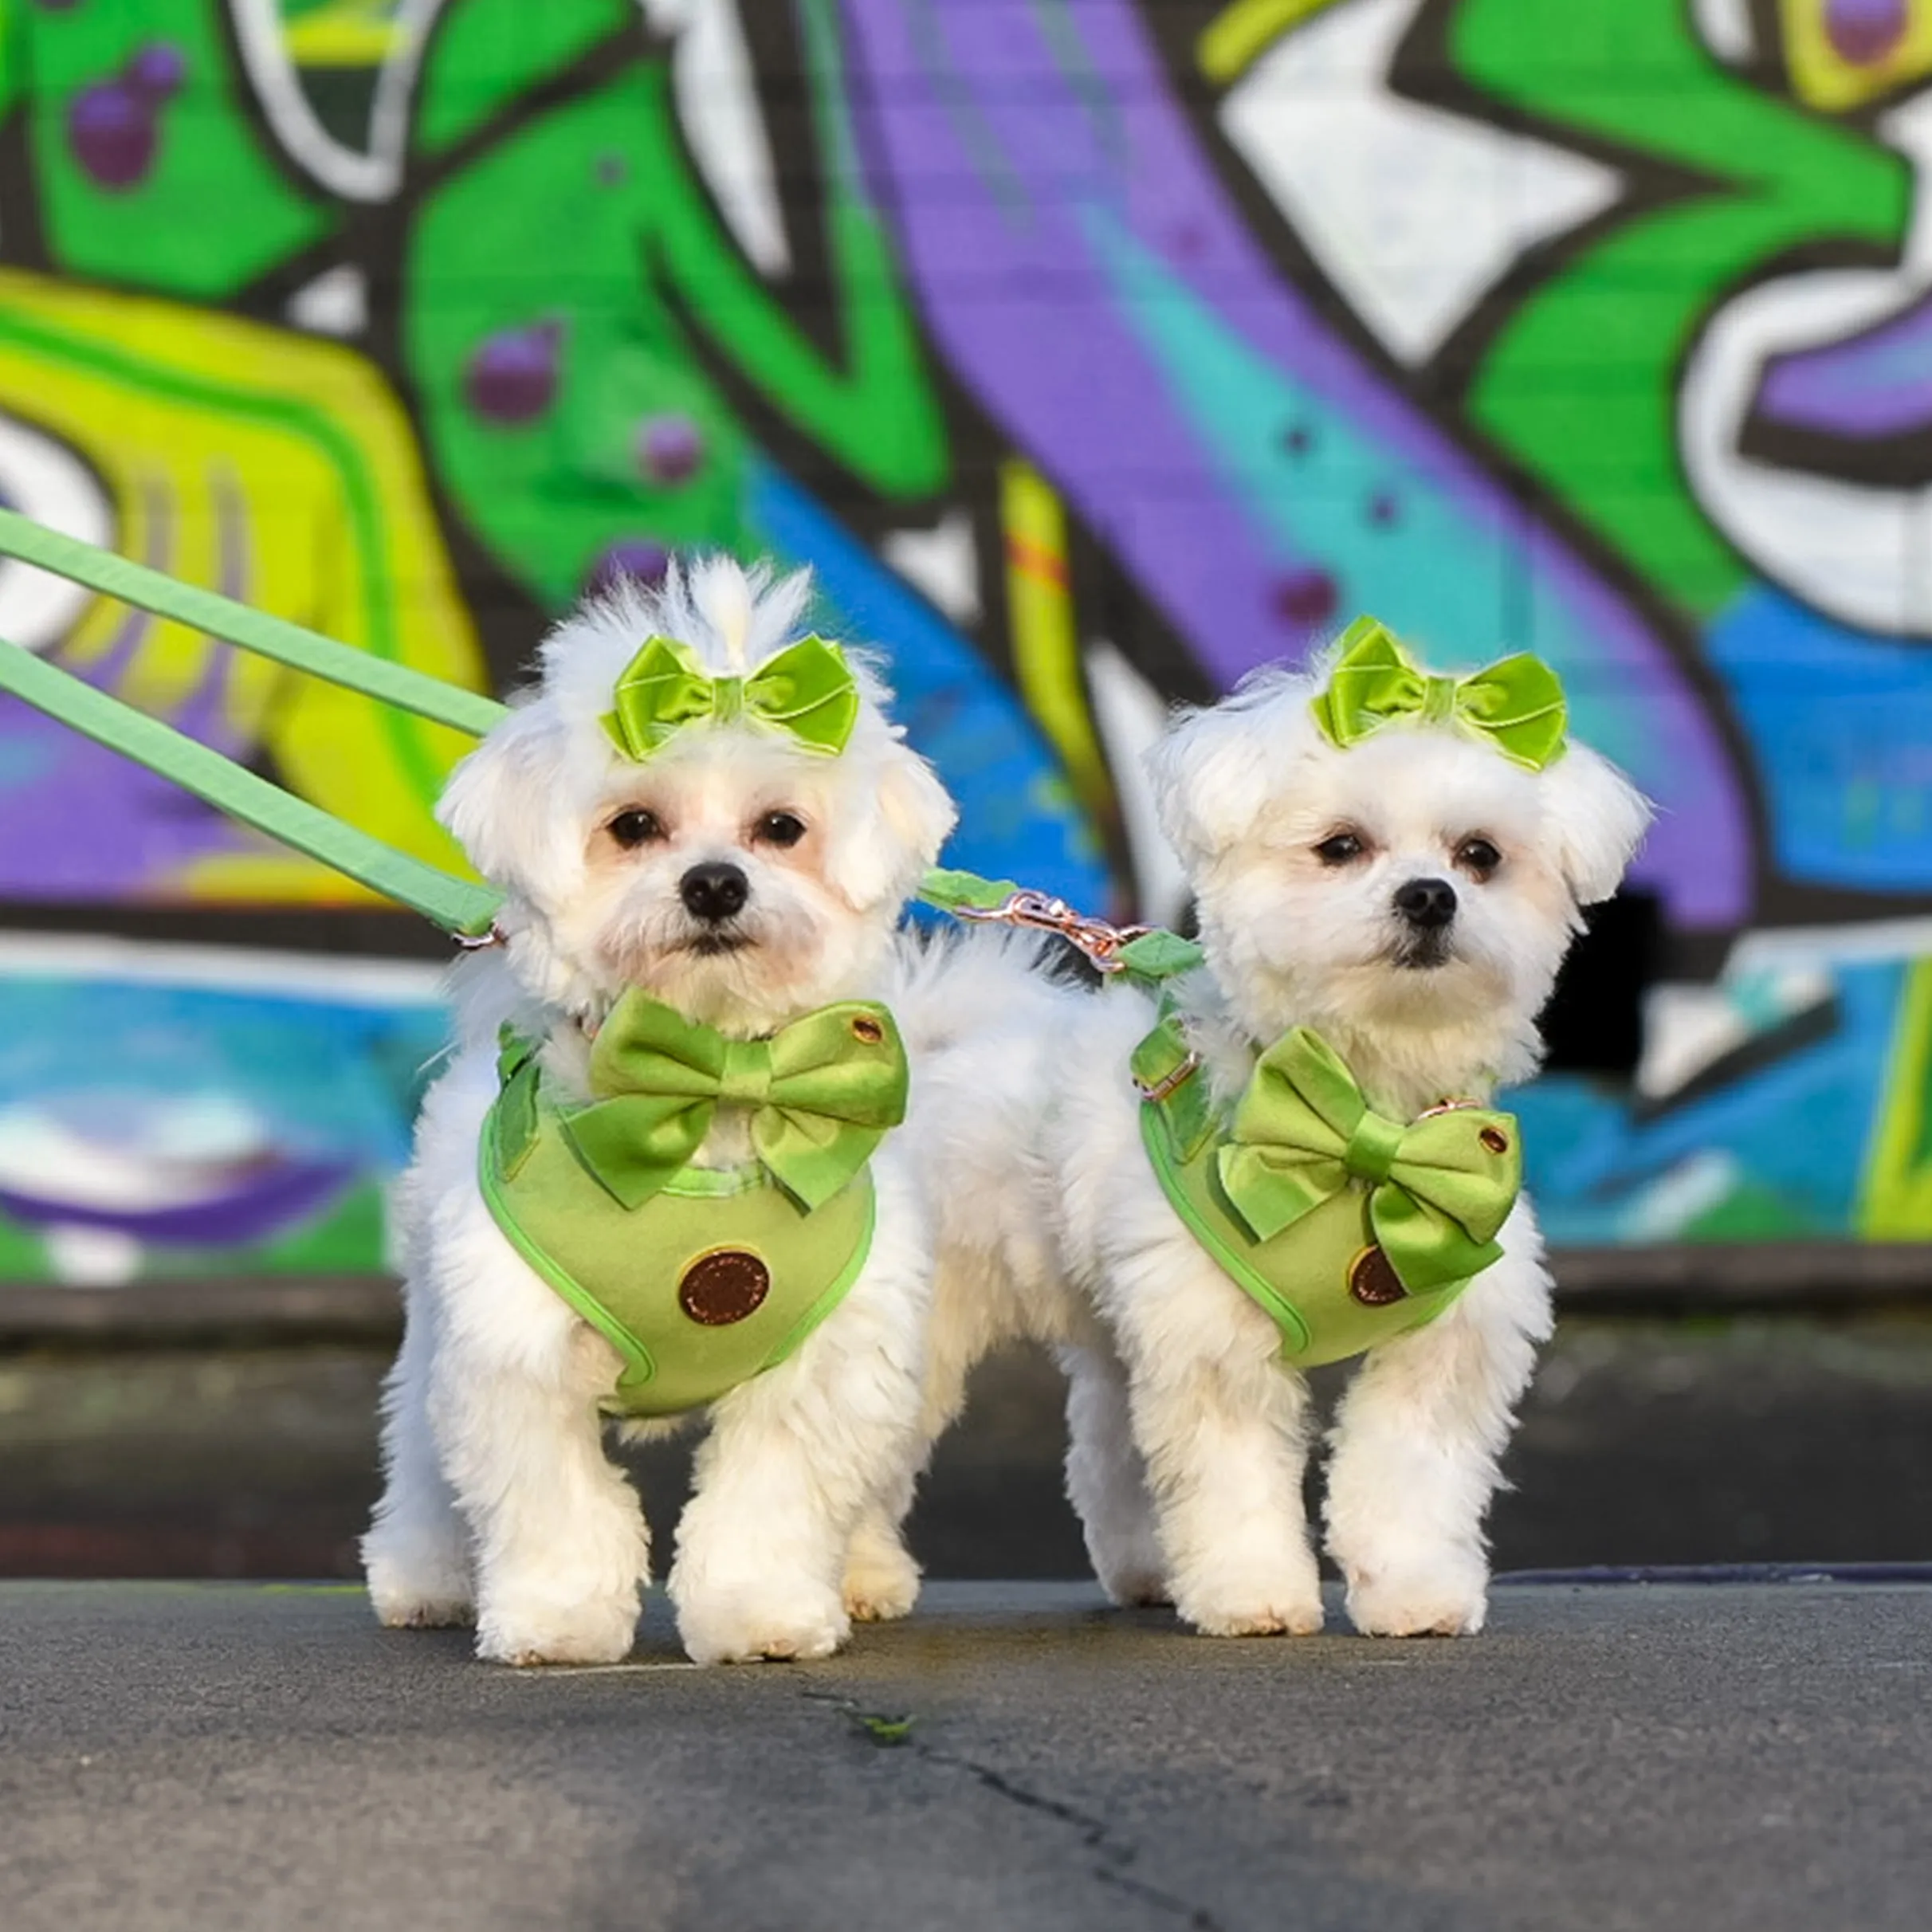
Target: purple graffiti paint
[
  {"x": 1863, "y": 33},
  {"x": 113, "y": 133},
  {"x": 670, "y": 448},
  {"x": 636, "y": 559},
  {"x": 259, "y": 1200},
  {"x": 512, "y": 379},
  {"x": 1878, "y": 382},
  {"x": 114, "y": 127},
  {"x": 157, "y": 71},
  {"x": 1306, "y": 599},
  {"x": 1005, "y": 137}
]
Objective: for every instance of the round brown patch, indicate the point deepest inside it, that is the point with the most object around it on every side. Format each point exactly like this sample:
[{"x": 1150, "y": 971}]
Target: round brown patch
[
  {"x": 1495, "y": 1139},
  {"x": 868, "y": 1029},
  {"x": 1372, "y": 1282},
  {"x": 723, "y": 1287}
]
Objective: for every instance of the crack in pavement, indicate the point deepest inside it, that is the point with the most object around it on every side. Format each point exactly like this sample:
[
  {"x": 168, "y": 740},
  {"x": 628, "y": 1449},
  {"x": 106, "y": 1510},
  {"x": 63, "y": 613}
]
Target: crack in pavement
[{"x": 1114, "y": 1854}]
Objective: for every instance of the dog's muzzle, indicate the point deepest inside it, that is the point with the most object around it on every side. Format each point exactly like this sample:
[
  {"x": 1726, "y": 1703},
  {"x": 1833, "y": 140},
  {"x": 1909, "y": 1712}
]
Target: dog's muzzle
[{"x": 1427, "y": 908}]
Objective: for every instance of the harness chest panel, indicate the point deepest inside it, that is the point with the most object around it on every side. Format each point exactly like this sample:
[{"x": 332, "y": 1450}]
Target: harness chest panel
[
  {"x": 1326, "y": 1284},
  {"x": 717, "y": 1277},
  {"x": 1346, "y": 1227}
]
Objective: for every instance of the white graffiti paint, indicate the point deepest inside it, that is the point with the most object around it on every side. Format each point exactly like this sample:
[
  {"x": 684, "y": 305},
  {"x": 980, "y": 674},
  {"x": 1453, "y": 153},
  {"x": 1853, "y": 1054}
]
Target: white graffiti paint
[
  {"x": 44, "y": 480},
  {"x": 362, "y": 174},
  {"x": 1858, "y": 552},
  {"x": 1412, "y": 213}
]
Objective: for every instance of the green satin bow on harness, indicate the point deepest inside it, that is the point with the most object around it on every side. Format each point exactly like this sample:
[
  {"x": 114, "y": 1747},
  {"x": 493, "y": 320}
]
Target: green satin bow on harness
[
  {"x": 807, "y": 689},
  {"x": 1440, "y": 1189},
  {"x": 822, "y": 1091},
  {"x": 1516, "y": 703}
]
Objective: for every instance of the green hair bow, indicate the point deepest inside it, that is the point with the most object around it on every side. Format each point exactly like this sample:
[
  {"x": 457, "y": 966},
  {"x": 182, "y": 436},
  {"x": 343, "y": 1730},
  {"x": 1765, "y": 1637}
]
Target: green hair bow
[
  {"x": 1516, "y": 703},
  {"x": 807, "y": 689}
]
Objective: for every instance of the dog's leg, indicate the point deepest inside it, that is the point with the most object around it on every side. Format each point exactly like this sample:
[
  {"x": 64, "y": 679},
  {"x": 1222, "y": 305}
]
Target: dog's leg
[
  {"x": 1416, "y": 1444},
  {"x": 416, "y": 1554},
  {"x": 562, "y": 1549},
  {"x": 793, "y": 1459},
  {"x": 1106, "y": 1478},
  {"x": 1224, "y": 1427},
  {"x": 882, "y": 1575}
]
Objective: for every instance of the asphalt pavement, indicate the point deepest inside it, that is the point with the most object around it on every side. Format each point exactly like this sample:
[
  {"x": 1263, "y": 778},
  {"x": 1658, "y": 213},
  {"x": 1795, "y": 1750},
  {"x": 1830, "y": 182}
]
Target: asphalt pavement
[{"x": 1658, "y": 1756}]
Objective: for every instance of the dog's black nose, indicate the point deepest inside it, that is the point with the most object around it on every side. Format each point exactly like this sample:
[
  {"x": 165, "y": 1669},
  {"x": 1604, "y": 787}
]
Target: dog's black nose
[
  {"x": 718, "y": 890},
  {"x": 1427, "y": 903}
]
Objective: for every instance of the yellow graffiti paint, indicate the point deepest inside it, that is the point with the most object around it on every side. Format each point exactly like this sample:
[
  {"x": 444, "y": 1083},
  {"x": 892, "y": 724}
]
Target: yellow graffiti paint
[
  {"x": 1895, "y": 1198},
  {"x": 344, "y": 33},
  {"x": 1046, "y": 640},
  {"x": 1822, "y": 78},
  {"x": 281, "y": 470},
  {"x": 1239, "y": 32}
]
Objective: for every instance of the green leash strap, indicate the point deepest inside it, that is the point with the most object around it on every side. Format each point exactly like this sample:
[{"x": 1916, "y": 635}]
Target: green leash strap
[
  {"x": 459, "y": 906},
  {"x": 300, "y": 649}
]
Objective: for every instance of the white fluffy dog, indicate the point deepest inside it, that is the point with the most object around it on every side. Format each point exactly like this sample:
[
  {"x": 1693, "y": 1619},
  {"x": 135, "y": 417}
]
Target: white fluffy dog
[
  {"x": 725, "y": 869},
  {"x": 1408, "y": 900}
]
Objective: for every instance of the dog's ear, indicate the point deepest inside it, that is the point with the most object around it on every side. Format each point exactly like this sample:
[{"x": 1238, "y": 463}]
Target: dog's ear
[
  {"x": 1599, "y": 818},
  {"x": 503, "y": 804},
  {"x": 900, "y": 818},
  {"x": 1210, "y": 779}
]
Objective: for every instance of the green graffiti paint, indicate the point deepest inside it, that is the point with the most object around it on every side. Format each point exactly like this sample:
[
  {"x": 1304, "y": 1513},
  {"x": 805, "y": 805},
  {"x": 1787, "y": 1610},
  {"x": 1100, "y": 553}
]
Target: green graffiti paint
[
  {"x": 149, "y": 171},
  {"x": 1581, "y": 384}
]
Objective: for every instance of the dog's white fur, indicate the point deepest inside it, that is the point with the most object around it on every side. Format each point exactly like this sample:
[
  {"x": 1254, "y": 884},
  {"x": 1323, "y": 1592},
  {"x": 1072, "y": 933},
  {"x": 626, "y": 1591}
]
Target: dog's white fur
[
  {"x": 501, "y": 1502},
  {"x": 1189, "y": 1434}
]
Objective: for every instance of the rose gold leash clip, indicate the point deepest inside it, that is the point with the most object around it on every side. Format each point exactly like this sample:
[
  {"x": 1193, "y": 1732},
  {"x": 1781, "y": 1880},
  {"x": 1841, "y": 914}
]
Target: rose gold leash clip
[{"x": 1044, "y": 913}]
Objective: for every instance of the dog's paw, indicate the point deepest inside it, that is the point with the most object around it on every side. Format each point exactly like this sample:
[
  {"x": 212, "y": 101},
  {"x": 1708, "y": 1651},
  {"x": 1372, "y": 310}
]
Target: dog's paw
[
  {"x": 1132, "y": 1573},
  {"x": 1447, "y": 1599},
  {"x": 1135, "y": 1585},
  {"x": 418, "y": 1590},
  {"x": 526, "y": 1634},
  {"x": 881, "y": 1583},
  {"x": 746, "y": 1626},
  {"x": 1285, "y": 1603}
]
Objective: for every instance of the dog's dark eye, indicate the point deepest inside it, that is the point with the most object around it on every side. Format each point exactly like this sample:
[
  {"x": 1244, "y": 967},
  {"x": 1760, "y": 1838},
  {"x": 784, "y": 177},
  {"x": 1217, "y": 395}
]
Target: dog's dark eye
[
  {"x": 780, "y": 828},
  {"x": 1478, "y": 857},
  {"x": 634, "y": 827},
  {"x": 1339, "y": 848}
]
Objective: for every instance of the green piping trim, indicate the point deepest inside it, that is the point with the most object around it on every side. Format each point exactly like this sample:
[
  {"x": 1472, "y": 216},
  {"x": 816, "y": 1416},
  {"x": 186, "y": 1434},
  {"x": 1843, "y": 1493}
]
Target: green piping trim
[
  {"x": 1154, "y": 1136},
  {"x": 833, "y": 1295},
  {"x": 587, "y": 1307}
]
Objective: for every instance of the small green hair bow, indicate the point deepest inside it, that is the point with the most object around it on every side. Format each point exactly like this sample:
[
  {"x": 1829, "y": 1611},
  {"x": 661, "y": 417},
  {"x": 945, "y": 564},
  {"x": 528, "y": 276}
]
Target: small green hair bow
[
  {"x": 1517, "y": 703},
  {"x": 807, "y": 689},
  {"x": 823, "y": 1093},
  {"x": 1439, "y": 1190}
]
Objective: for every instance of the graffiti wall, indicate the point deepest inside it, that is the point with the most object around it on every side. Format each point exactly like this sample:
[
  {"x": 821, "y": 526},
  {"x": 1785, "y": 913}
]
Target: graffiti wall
[{"x": 1092, "y": 352}]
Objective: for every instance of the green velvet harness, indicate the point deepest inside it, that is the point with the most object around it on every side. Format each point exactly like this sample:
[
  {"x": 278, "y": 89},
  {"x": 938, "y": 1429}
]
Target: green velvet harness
[
  {"x": 1346, "y": 1229},
  {"x": 700, "y": 1278}
]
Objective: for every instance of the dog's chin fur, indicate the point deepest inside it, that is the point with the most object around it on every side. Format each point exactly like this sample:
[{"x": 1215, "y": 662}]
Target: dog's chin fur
[{"x": 500, "y": 1503}]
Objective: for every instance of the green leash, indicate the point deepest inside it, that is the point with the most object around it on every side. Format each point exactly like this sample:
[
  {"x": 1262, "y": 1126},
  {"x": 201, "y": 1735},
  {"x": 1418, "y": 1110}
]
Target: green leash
[{"x": 460, "y": 907}]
